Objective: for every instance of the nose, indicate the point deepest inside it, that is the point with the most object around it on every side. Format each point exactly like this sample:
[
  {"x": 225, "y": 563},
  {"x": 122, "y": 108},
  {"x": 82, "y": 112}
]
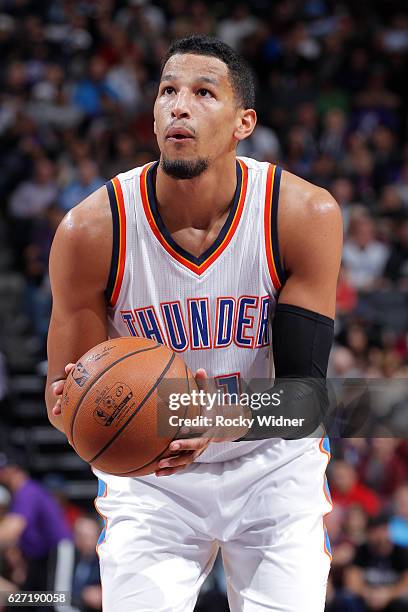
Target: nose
[{"x": 181, "y": 106}]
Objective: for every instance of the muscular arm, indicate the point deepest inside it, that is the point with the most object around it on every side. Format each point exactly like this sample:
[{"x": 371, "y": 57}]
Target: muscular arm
[
  {"x": 310, "y": 236},
  {"x": 79, "y": 268}
]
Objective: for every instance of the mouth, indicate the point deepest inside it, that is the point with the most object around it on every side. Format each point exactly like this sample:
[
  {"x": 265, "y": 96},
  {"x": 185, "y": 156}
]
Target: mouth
[{"x": 180, "y": 134}]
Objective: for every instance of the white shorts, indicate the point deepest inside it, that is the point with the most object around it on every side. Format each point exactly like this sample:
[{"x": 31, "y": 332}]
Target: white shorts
[{"x": 162, "y": 534}]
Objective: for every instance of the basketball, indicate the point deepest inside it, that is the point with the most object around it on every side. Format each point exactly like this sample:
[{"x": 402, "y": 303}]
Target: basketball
[{"x": 115, "y": 401}]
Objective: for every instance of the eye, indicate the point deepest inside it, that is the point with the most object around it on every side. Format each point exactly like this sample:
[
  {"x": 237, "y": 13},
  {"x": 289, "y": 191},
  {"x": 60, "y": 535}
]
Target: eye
[
  {"x": 204, "y": 93},
  {"x": 167, "y": 90}
]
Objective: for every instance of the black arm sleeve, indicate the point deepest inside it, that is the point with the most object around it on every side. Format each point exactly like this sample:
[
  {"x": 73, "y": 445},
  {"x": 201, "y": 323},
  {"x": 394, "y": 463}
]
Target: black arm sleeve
[{"x": 301, "y": 341}]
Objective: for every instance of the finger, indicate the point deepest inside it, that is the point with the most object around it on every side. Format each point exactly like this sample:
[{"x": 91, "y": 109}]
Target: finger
[
  {"x": 168, "y": 471},
  {"x": 189, "y": 444},
  {"x": 201, "y": 379},
  {"x": 69, "y": 367},
  {"x": 176, "y": 461},
  {"x": 57, "y": 408},
  {"x": 58, "y": 387}
]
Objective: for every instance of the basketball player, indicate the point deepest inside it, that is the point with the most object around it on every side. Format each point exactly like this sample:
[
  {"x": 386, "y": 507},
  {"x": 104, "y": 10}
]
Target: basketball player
[{"x": 201, "y": 250}]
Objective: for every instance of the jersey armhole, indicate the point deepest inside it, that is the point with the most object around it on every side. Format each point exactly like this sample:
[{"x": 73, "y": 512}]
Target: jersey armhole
[
  {"x": 271, "y": 226},
  {"x": 118, "y": 241}
]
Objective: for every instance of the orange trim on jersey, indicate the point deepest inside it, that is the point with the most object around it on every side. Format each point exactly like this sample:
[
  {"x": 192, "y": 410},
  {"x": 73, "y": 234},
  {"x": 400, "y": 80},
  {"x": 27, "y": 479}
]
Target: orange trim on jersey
[
  {"x": 122, "y": 241},
  {"x": 201, "y": 268},
  {"x": 105, "y": 519},
  {"x": 268, "y": 226},
  {"x": 328, "y": 498}
]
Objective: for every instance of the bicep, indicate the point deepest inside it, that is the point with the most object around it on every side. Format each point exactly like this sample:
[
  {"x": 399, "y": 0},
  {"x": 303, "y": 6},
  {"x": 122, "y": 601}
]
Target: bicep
[
  {"x": 79, "y": 267},
  {"x": 313, "y": 255},
  {"x": 73, "y": 330}
]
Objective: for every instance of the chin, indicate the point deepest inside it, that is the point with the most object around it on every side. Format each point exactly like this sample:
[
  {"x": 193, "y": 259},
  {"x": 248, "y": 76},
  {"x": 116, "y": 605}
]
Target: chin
[{"x": 182, "y": 168}]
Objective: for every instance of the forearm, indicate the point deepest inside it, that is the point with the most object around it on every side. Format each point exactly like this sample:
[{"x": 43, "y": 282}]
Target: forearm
[{"x": 302, "y": 341}]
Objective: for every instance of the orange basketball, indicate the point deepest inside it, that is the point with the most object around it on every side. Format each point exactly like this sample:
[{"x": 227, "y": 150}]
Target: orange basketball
[{"x": 115, "y": 404}]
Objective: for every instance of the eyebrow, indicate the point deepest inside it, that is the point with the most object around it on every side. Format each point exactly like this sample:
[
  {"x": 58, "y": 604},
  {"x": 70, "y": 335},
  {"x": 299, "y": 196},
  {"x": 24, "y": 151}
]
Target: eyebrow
[{"x": 203, "y": 79}]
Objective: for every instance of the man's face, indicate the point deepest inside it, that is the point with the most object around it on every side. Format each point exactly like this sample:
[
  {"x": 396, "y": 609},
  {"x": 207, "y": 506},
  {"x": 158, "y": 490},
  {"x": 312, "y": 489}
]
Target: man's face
[
  {"x": 196, "y": 115},
  {"x": 379, "y": 539}
]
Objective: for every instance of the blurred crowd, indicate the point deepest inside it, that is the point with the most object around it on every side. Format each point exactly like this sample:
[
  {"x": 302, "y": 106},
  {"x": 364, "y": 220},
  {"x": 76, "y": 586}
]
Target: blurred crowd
[
  {"x": 78, "y": 81},
  {"x": 47, "y": 543}
]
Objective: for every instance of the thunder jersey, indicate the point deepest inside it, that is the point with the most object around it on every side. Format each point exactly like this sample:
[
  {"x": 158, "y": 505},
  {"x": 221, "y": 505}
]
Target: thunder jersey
[{"x": 215, "y": 310}]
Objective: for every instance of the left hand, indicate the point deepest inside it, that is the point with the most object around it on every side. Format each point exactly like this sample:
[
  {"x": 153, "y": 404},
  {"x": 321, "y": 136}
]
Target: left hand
[{"x": 187, "y": 450}]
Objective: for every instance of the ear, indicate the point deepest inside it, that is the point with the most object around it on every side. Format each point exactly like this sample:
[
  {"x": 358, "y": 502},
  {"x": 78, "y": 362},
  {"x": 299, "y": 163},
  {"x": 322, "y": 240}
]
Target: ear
[{"x": 245, "y": 125}]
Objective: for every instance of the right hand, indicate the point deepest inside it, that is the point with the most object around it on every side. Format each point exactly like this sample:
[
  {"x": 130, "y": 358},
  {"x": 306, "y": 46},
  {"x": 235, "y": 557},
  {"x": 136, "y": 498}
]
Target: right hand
[{"x": 58, "y": 387}]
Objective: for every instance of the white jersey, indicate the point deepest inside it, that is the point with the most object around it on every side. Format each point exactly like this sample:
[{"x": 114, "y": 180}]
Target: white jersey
[
  {"x": 214, "y": 310},
  {"x": 161, "y": 535}
]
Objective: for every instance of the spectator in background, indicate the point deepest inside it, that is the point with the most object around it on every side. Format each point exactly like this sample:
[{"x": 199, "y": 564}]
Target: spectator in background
[
  {"x": 378, "y": 576},
  {"x": 346, "y": 297},
  {"x": 86, "y": 588},
  {"x": 342, "y": 363},
  {"x": 56, "y": 484},
  {"x": 384, "y": 469},
  {"x": 363, "y": 255},
  {"x": 386, "y": 158},
  {"x": 334, "y": 133},
  {"x": 93, "y": 94},
  {"x": 87, "y": 181},
  {"x": 402, "y": 184},
  {"x": 32, "y": 197},
  {"x": 4, "y": 386},
  {"x": 237, "y": 26},
  {"x": 346, "y": 490},
  {"x": 343, "y": 192},
  {"x": 390, "y": 212},
  {"x": 51, "y": 104},
  {"x": 34, "y": 522},
  {"x": 396, "y": 267},
  {"x": 29, "y": 202},
  {"x": 263, "y": 145},
  {"x": 399, "y": 522},
  {"x": 37, "y": 303},
  {"x": 125, "y": 80},
  {"x": 5, "y": 499},
  {"x": 125, "y": 155}
]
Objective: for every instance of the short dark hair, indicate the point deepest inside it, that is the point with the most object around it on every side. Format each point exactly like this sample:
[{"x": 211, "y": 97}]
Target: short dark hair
[{"x": 241, "y": 76}]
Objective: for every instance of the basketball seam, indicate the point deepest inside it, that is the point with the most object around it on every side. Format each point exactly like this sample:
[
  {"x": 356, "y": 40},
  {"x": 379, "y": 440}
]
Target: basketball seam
[
  {"x": 144, "y": 400},
  {"x": 77, "y": 407},
  {"x": 163, "y": 451}
]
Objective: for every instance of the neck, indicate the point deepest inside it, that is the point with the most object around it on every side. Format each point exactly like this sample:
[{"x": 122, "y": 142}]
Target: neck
[{"x": 200, "y": 201}]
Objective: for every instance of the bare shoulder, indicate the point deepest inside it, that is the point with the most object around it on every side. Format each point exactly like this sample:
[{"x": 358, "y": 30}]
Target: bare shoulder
[
  {"x": 300, "y": 199},
  {"x": 89, "y": 220},
  {"x": 309, "y": 221},
  {"x": 310, "y": 234},
  {"x": 84, "y": 238}
]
